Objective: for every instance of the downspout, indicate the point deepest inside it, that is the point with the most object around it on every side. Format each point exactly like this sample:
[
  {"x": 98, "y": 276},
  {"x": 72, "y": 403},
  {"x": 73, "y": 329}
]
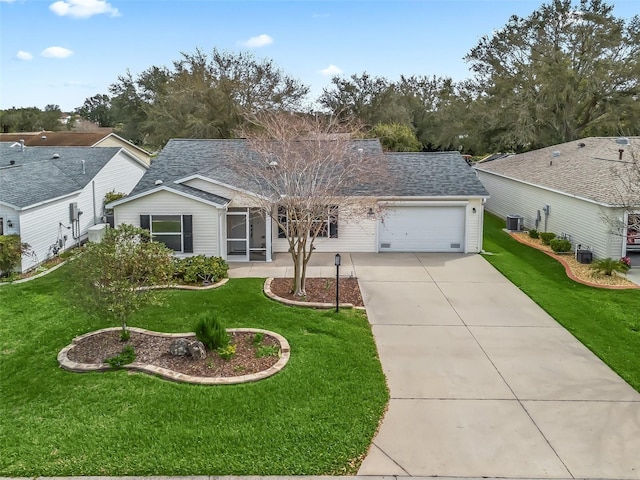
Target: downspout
[{"x": 93, "y": 187}]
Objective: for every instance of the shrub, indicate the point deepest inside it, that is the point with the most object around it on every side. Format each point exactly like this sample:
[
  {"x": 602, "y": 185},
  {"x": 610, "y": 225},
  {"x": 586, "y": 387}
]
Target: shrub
[
  {"x": 609, "y": 265},
  {"x": 11, "y": 251},
  {"x": 547, "y": 237},
  {"x": 559, "y": 245},
  {"x": 227, "y": 352},
  {"x": 200, "y": 268},
  {"x": 125, "y": 357},
  {"x": 210, "y": 331},
  {"x": 258, "y": 337},
  {"x": 533, "y": 233}
]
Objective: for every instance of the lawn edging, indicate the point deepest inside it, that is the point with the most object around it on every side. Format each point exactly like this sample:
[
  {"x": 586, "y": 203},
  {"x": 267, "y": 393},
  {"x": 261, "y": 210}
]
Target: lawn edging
[
  {"x": 570, "y": 274},
  {"x": 297, "y": 303},
  {"x": 41, "y": 274},
  {"x": 67, "y": 364}
]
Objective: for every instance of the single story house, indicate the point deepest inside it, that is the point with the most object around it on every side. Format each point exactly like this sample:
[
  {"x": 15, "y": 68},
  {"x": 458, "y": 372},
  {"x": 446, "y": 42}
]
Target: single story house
[
  {"x": 194, "y": 201},
  {"x": 102, "y": 137},
  {"x": 50, "y": 196},
  {"x": 581, "y": 189}
]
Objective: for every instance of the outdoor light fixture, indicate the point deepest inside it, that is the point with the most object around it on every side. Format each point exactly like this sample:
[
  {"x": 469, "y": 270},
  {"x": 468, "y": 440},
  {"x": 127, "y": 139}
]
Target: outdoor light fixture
[
  {"x": 473, "y": 209},
  {"x": 338, "y": 260},
  {"x": 9, "y": 224},
  {"x": 370, "y": 213}
]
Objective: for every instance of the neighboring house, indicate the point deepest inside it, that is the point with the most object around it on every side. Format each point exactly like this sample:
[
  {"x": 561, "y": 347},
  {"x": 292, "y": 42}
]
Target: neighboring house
[
  {"x": 195, "y": 201},
  {"x": 103, "y": 137},
  {"x": 51, "y": 196},
  {"x": 580, "y": 189}
]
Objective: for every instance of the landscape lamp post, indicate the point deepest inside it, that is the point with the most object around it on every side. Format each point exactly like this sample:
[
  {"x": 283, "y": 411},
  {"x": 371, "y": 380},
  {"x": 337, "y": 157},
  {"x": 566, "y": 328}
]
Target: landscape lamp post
[{"x": 337, "y": 262}]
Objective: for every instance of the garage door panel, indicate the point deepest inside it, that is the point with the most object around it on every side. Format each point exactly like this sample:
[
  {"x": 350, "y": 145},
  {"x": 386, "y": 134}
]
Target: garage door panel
[{"x": 422, "y": 229}]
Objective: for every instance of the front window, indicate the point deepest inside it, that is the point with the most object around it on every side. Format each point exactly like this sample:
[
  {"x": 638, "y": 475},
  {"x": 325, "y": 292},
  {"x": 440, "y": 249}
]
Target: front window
[
  {"x": 167, "y": 229},
  {"x": 324, "y": 226}
]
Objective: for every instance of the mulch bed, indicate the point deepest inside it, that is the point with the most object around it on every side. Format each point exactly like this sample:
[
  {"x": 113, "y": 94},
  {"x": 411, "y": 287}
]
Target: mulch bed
[
  {"x": 321, "y": 290},
  {"x": 154, "y": 350}
]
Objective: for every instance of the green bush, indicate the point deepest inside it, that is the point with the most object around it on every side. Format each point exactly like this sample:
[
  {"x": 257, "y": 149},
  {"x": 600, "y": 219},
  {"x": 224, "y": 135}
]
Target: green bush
[
  {"x": 11, "y": 251},
  {"x": 533, "y": 233},
  {"x": 125, "y": 357},
  {"x": 210, "y": 331},
  {"x": 560, "y": 245},
  {"x": 547, "y": 237},
  {"x": 200, "y": 268},
  {"x": 227, "y": 352},
  {"x": 609, "y": 265},
  {"x": 268, "y": 351}
]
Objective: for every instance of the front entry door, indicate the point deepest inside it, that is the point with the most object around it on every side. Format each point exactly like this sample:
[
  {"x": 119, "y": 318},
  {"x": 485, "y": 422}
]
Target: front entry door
[{"x": 238, "y": 236}]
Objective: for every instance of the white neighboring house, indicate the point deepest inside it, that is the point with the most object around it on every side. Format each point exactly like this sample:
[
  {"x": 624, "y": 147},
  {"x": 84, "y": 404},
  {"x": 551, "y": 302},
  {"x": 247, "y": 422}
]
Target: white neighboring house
[
  {"x": 196, "y": 202},
  {"x": 50, "y": 196},
  {"x": 579, "y": 188}
]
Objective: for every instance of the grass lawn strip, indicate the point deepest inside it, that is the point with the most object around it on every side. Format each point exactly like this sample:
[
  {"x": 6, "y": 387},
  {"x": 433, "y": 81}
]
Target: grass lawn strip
[
  {"x": 316, "y": 417},
  {"x": 606, "y": 321}
]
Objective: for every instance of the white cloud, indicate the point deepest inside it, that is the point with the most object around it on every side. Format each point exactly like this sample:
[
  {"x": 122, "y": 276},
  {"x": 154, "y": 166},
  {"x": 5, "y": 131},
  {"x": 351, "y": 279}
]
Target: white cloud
[
  {"x": 56, "y": 52},
  {"x": 83, "y": 8},
  {"x": 259, "y": 41},
  {"x": 7, "y": 1},
  {"x": 22, "y": 55},
  {"x": 331, "y": 70}
]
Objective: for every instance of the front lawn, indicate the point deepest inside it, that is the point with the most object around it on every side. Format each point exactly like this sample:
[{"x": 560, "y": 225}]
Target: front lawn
[
  {"x": 316, "y": 417},
  {"x": 606, "y": 321}
]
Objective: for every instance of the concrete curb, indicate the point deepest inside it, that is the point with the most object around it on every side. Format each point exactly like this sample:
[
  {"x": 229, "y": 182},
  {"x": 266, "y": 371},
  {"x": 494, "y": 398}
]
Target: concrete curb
[
  {"x": 66, "y": 364},
  {"x": 187, "y": 287},
  {"x": 295, "y": 303},
  {"x": 41, "y": 274}
]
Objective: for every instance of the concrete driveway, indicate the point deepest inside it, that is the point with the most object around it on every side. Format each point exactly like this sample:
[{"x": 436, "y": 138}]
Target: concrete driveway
[{"x": 484, "y": 383}]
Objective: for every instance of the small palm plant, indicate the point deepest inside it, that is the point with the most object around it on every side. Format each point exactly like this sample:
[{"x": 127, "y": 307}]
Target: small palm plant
[{"x": 609, "y": 265}]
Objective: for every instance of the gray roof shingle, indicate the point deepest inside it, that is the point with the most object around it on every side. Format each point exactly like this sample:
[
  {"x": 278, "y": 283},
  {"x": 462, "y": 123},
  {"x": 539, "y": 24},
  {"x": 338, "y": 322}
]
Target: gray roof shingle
[
  {"x": 410, "y": 174},
  {"x": 37, "y": 176},
  {"x": 589, "y": 168}
]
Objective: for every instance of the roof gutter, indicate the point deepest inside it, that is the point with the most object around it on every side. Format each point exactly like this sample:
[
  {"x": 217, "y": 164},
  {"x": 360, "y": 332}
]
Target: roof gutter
[{"x": 39, "y": 204}]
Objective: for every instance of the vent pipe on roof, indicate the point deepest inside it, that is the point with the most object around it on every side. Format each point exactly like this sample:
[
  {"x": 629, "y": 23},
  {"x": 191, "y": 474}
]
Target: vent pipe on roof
[
  {"x": 620, "y": 152},
  {"x": 83, "y": 170},
  {"x": 56, "y": 155},
  {"x": 22, "y": 145}
]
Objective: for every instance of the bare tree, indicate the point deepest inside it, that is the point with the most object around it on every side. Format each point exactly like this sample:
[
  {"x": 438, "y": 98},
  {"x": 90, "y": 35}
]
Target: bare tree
[{"x": 309, "y": 171}]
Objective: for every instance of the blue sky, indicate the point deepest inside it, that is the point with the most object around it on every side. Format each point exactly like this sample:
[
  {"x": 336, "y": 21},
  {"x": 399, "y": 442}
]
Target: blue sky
[{"x": 63, "y": 51}]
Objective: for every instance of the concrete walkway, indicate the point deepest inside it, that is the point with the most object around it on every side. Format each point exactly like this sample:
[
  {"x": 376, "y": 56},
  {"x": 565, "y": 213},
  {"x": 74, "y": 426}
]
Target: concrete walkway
[{"x": 483, "y": 382}]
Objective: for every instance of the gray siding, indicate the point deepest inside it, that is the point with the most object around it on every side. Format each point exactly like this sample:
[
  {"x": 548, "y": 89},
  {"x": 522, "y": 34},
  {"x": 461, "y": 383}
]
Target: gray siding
[{"x": 580, "y": 219}]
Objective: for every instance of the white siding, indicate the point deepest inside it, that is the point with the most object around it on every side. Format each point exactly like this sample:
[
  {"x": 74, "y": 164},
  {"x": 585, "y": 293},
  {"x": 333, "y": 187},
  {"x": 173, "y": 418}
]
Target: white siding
[
  {"x": 115, "y": 142},
  {"x": 580, "y": 219},
  {"x": 121, "y": 174},
  {"x": 205, "y": 217},
  {"x": 356, "y": 233},
  {"x": 40, "y": 228},
  {"x": 474, "y": 221},
  {"x": 238, "y": 199},
  {"x": 7, "y": 213}
]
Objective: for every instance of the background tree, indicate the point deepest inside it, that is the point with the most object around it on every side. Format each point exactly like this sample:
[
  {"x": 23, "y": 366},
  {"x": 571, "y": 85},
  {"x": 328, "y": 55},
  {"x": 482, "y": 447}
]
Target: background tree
[
  {"x": 201, "y": 96},
  {"x": 30, "y": 119},
  {"x": 113, "y": 274},
  {"x": 98, "y": 110},
  {"x": 562, "y": 73},
  {"x": 396, "y": 137},
  {"x": 304, "y": 166}
]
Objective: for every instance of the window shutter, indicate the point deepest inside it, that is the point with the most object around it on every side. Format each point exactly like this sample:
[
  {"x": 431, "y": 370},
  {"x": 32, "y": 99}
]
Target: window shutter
[
  {"x": 187, "y": 234},
  {"x": 145, "y": 222}
]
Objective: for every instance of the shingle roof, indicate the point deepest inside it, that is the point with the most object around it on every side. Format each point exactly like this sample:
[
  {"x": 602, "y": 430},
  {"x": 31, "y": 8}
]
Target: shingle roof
[
  {"x": 37, "y": 177},
  {"x": 411, "y": 174},
  {"x": 587, "y": 168}
]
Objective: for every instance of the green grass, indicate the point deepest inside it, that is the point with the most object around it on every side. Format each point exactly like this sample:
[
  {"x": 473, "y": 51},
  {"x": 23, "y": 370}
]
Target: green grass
[
  {"x": 606, "y": 321},
  {"x": 317, "y": 416}
]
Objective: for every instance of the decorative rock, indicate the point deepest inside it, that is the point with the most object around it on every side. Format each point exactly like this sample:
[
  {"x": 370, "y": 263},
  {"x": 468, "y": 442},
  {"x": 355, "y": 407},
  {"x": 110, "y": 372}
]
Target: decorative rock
[
  {"x": 197, "y": 350},
  {"x": 179, "y": 347}
]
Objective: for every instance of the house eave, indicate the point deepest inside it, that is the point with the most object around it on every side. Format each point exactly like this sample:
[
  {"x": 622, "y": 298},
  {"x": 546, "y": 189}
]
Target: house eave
[
  {"x": 204, "y": 178},
  {"x": 166, "y": 189},
  {"x": 44, "y": 202}
]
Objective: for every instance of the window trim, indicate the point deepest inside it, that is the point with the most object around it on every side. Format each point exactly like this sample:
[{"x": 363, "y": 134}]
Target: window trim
[
  {"x": 185, "y": 234},
  {"x": 330, "y": 220}
]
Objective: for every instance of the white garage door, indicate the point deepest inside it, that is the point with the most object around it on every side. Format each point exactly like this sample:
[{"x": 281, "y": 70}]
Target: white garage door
[{"x": 422, "y": 229}]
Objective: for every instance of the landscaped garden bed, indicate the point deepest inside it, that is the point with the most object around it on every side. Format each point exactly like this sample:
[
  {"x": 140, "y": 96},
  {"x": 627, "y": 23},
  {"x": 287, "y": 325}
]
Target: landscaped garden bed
[{"x": 315, "y": 417}]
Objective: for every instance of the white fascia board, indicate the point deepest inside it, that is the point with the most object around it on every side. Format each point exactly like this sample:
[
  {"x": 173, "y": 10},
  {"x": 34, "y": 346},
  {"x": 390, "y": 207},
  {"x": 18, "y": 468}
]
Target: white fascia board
[
  {"x": 51, "y": 200},
  {"x": 198, "y": 176},
  {"x": 166, "y": 189},
  {"x": 548, "y": 189},
  {"x": 9, "y": 205}
]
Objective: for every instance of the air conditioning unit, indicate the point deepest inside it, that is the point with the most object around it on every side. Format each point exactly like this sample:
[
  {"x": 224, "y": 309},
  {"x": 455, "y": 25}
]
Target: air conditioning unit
[{"x": 514, "y": 222}]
